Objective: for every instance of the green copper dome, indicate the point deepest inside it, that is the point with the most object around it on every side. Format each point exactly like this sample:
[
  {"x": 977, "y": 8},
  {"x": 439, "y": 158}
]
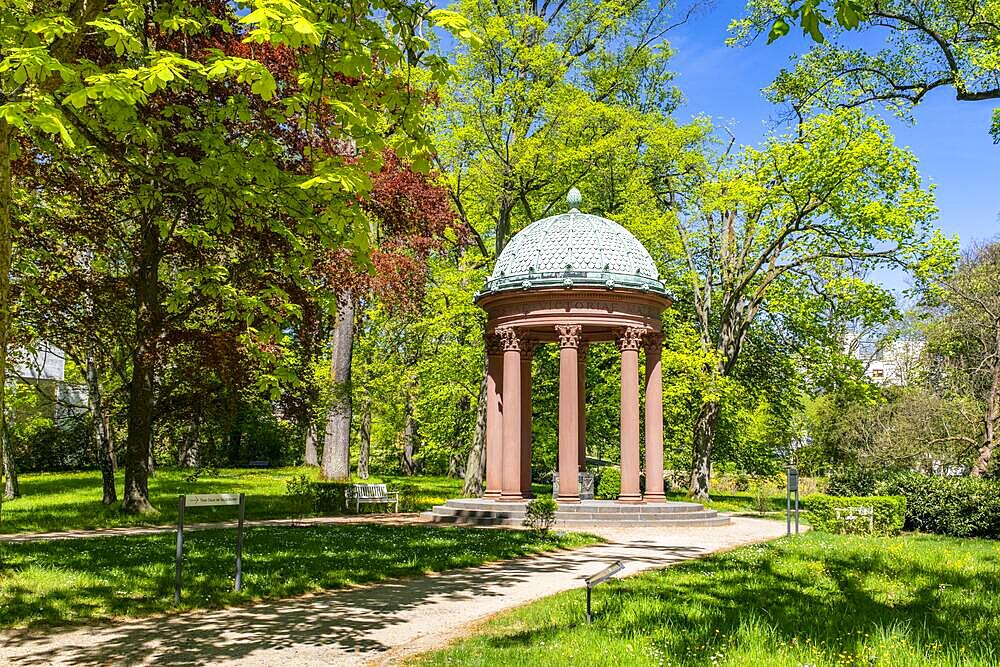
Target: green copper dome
[{"x": 574, "y": 249}]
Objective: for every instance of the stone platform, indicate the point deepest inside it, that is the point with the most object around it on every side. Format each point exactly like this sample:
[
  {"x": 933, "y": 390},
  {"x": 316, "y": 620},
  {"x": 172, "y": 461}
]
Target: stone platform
[{"x": 479, "y": 512}]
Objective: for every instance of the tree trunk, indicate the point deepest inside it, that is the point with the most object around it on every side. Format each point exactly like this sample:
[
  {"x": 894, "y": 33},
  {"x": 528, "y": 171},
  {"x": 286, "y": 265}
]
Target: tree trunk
[
  {"x": 141, "y": 406},
  {"x": 337, "y": 439},
  {"x": 408, "y": 464},
  {"x": 475, "y": 465},
  {"x": 311, "y": 456},
  {"x": 704, "y": 437},
  {"x": 365, "y": 440},
  {"x": 992, "y": 416},
  {"x": 11, "y": 487},
  {"x": 188, "y": 454},
  {"x": 102, "y": 431}
]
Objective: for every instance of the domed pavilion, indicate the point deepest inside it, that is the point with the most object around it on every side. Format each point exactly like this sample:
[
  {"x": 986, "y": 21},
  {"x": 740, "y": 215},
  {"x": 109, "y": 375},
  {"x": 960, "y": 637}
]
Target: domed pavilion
[{"x": 572, "y": 279}]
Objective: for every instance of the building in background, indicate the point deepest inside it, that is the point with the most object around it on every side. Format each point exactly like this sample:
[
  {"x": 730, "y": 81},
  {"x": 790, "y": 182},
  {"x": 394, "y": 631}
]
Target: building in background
[
  {"x": 886, "y": 362},
  {"x": 45, "y": 370}
]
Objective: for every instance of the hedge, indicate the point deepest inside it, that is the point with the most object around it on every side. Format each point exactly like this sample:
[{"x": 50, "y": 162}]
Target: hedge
[
  {"x": 889, "y": 513},
  {"x": 957, "y": 506}
]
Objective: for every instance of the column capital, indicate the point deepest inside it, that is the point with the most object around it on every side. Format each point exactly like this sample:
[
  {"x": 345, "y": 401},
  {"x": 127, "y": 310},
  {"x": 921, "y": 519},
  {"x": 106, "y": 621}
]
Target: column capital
[
  {"x": 494, "y": 346},
  {"x": 653, "y": 341},
  {"x": 528, "y": 346},
  {"x": 630, "y": 338},
  {"x": 510, "y": 340},
  {"x": 569, "y": 335},
  {"x": 581, "y": 352}
]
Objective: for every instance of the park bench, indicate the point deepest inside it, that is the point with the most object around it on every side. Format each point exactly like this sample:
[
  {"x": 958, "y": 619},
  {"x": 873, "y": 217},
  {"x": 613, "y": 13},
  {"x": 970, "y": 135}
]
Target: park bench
[
  {"x": 850, "y": 515},
  {"x": 371, "y": 494},
  {"x": 259, "y": 464}
]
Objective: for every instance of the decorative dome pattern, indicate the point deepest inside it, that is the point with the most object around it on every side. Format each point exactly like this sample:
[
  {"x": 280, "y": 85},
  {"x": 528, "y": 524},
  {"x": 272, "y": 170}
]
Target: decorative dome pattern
[{"x": 572, "y": 249}]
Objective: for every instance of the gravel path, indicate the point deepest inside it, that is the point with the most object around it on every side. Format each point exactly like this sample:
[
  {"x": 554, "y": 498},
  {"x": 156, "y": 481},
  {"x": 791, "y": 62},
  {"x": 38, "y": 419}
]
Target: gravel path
[{"x": 379, "y": 624}]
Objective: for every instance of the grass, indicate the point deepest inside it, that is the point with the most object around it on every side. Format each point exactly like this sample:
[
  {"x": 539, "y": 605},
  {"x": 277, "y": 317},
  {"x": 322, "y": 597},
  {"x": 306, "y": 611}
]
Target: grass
[
  {"x": 68, "y": 501},
  {"x": 72, "y": 581},
  {"x": 814, "y": 600}
]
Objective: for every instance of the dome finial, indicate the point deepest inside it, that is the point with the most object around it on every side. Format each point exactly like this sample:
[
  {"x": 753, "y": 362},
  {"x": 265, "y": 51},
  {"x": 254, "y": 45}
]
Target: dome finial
[{"x": 574, "y": 198}]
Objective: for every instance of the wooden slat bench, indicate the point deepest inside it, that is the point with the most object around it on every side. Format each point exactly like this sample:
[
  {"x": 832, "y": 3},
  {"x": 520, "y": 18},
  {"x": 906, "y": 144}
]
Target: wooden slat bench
[{"x": 371, "y": 494}]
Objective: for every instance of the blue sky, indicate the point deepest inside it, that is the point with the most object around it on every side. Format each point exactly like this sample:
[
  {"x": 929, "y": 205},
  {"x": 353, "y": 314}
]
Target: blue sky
[{"x": 950, "y": 138}]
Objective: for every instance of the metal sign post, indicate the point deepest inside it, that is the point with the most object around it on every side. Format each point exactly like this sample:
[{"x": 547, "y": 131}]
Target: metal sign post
[
  {"x": 793, "y": 487},
  {"x": 208, "y": 500},
  {"x": 600, "y": 577}
]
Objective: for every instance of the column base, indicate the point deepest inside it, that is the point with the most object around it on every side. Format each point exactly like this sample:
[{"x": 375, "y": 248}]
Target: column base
[
  {"x": 631, "y": 500},
  {"x": 510, "y": 498},
  {"x": 568, "y": 500},
  {"x": 491, "y": 495},
  {"x": 654, "y": 498}
]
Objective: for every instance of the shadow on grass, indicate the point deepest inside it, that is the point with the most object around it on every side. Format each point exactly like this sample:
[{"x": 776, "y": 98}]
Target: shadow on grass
[
  {"x": 278, "y": 563},
  {"x": 827, "y": 593}
]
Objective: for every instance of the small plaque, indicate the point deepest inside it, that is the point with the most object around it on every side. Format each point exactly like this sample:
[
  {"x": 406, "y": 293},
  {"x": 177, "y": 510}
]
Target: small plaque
[
  {"x": 210, "y": 499},
  {"x": 793, "y": 479}
]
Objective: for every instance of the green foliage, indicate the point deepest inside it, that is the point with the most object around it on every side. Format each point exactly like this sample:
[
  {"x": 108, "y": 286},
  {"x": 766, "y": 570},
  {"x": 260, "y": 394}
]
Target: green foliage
[
  {"x": 817, "y": 599},
  {"x": 889, "y": 514},
  {"x": 609, "y": 483},
  {"x": 318, "y": 496},
  {"x": 540, "y": 514},
  {"x": 958, "y": 506},
  {"x": 909, "y": 50},
  {"x": 66, "y": 582}
]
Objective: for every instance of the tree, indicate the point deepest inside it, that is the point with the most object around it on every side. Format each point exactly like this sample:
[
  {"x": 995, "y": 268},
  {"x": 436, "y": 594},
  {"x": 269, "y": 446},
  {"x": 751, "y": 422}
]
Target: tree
[
  {"x": 966, "y": 338},
  {"x": 929, "y": 44},
  {"x": 411, "y": 217},
  {"x": 780, "y": 231},
  {"x": 270, "y": 121},
  {"x": 547, "y": 93}
]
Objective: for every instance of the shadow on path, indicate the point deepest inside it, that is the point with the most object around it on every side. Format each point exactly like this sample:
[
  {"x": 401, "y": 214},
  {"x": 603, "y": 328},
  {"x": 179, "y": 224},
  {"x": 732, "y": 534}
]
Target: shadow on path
[{"x": 345, "y": 626}]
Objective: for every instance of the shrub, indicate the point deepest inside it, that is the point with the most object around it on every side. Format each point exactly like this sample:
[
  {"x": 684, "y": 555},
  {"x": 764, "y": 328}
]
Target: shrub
[
  {"x": 609, "y": 484},
  {"x": 889, "y": 513},
  {"x": 540, "y": 514},
  {"x": 316, "y": 496},
  {"x": 957, "y": 506},
  {"x": 852, "y": 481}
]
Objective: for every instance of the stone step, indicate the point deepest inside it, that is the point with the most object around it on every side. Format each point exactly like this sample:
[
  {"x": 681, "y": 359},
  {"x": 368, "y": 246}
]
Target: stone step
[
  {"x": 480, "y": 520},
  {"x": 585, "y": 507},
  {"x": 636, "y": 515}
]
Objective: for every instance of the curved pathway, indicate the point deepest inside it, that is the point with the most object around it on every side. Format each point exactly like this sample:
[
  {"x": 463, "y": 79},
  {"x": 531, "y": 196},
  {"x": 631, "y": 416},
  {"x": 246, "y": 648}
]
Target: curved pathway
[{"x": 378, "y": 624}]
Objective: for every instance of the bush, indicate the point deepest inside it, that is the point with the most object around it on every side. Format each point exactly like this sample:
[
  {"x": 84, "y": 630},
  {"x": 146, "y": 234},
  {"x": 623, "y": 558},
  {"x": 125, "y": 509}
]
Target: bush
[
  {"x": 957, "y": 506},
  {"x": 609, "y": 484},
  {"x": 540, "y": 514},
  {"x": 318, "y": 497},
  {"x": 852, "y": 481},
  {"x": 889, "y": 513}
]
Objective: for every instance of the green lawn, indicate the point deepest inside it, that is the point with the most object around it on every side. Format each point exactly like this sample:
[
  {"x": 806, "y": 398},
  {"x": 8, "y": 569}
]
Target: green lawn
[
  {"x": 70, "y": 581},
  {"x": 814, "y": 600},
  {"x": 62, "y": 501}
]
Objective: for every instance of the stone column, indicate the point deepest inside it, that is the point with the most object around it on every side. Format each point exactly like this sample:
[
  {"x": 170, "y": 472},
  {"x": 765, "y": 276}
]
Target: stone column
[
  {"x": 581, "y": 375},
  {"x": 654, "y": 420},
  {"x": 527, "y": 353},
  {"x": 569, "y": 416},
  {"x": 511, "y": 485},
  {"x": 629, "y": 342},
  {"x": 494, "y": 417}
]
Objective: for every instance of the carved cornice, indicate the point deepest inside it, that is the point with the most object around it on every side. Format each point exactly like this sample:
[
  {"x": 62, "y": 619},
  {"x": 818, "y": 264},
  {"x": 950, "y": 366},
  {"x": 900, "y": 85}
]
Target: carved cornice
[
  {"x": 569, "y": 335},
  {"x": 630, "y": 338},
  {"x": 509, "y": 339}
]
